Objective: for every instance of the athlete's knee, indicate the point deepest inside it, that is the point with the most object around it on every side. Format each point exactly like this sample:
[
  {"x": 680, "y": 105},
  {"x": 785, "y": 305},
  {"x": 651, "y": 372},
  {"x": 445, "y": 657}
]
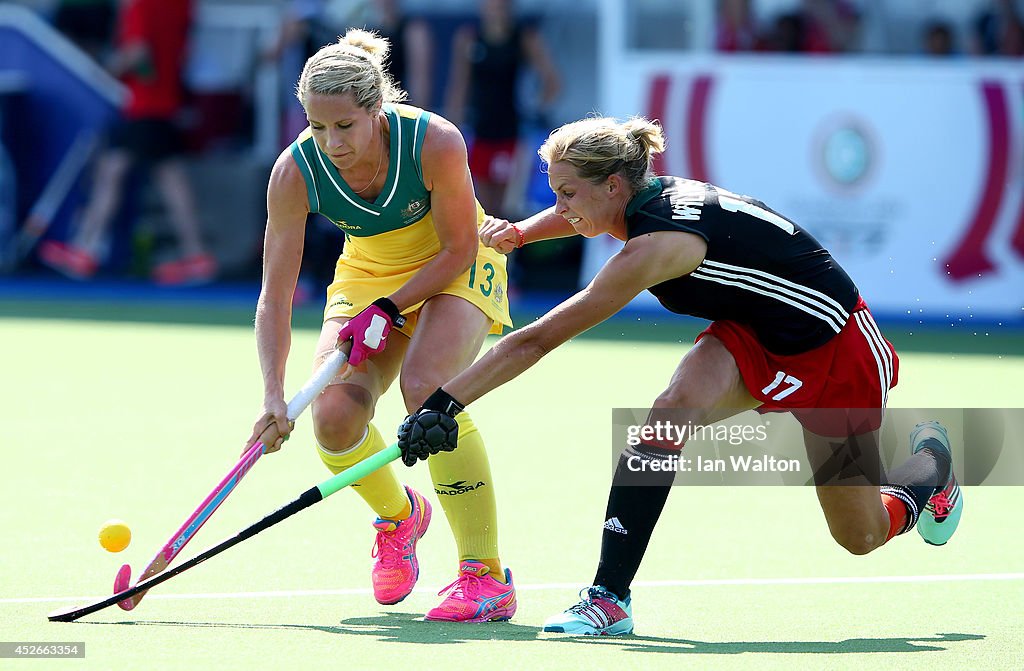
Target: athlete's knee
[
  {"x": 680, "y": 404},
  {"x": 417, "y": 387},
  {"x": 680, "y": 399},
  {"x": 858, "y": 539},
  {"x": 340, "y": 416}
]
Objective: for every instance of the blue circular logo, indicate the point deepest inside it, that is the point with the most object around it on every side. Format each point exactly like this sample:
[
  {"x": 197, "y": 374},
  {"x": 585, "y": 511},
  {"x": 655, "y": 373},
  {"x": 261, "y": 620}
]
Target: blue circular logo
[{"x": 847, "y": 155}]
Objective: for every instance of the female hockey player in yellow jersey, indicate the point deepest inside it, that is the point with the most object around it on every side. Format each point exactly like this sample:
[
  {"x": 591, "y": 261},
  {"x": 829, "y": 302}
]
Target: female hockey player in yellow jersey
[{"x": 414, "y": 292}]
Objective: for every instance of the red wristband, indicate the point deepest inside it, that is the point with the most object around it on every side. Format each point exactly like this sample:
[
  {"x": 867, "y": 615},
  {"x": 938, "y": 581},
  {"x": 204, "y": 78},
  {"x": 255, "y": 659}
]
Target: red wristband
[{"x": 519, "y": 235}]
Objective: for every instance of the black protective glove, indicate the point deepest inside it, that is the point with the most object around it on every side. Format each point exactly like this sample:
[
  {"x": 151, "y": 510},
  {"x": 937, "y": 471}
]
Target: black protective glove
[{"x": 431, "y": 429}]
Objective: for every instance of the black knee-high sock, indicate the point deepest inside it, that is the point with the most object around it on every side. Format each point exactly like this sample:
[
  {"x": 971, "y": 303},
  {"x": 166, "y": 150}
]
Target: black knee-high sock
[
  {"x": 919, "y": 477},
  {"x": 633, "y": 510}
]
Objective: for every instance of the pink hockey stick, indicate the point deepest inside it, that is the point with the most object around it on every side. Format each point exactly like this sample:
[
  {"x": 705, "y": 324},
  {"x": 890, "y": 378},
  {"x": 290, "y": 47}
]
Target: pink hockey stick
[{"x": 323, "y": 375}]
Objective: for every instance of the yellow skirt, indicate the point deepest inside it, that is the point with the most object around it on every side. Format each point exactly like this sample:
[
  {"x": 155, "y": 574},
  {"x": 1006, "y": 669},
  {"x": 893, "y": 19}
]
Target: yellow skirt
[{"x": 360, "y": 280}]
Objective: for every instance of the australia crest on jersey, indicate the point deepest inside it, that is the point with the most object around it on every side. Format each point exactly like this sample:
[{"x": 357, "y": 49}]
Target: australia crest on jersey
[{"x": 415, "y": 209}]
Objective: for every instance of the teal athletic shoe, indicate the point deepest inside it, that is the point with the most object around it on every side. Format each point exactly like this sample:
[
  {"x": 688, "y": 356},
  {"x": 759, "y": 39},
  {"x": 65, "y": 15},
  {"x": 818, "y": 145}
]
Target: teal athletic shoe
[
  {"x": 599, "y": 613},
  {"x": 941, "y": 514}
]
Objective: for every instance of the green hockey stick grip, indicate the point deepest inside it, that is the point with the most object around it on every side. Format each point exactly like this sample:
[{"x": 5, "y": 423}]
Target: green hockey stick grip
[{"x": 359, "y": 471}]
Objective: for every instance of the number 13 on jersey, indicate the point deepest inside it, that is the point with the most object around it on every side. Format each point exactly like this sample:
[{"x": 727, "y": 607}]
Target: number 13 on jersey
[{"x": 486, "y": 280}]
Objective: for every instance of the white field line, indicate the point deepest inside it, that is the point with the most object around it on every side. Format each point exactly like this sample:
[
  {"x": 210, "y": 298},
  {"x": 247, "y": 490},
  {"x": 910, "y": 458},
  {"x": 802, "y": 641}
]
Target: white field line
[{"x": 722, "y": 582}]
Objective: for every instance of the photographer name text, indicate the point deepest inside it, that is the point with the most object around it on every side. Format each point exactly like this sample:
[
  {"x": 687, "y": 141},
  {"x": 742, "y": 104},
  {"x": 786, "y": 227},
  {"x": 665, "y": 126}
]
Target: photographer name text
[{"x": 736, "y": 463}]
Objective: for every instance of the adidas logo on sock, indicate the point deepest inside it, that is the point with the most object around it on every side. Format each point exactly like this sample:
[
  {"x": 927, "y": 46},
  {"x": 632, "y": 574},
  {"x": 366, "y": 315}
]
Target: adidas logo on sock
[{"x": 615, "y": 525}]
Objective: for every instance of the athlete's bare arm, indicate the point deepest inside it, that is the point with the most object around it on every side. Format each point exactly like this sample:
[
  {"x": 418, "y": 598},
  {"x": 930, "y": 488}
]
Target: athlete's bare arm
[
  {"x": 642, "y": 263},
  {"x": 453, "y": 207},
  {"x": 287, "y": 209},
  {"x": 504, "y": 236}
]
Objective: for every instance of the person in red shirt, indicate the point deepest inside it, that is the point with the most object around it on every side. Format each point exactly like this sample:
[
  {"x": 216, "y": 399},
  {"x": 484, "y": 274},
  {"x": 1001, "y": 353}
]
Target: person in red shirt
[{"x": 151, "y": 46}]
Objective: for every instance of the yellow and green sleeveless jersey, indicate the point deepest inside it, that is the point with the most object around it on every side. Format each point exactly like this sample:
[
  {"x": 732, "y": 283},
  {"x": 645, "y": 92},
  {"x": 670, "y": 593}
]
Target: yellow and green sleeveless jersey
[{"x": 394, "y": 228}]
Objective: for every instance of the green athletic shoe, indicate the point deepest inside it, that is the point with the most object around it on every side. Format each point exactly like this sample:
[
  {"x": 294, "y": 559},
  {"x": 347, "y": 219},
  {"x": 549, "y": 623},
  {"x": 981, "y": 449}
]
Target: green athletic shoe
[{"x": 941, "y": 514}]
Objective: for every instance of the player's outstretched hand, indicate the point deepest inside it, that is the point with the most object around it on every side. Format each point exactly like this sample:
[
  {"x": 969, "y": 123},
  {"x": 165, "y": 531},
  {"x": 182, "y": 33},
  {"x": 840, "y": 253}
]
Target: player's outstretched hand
[
  {"x": 369, "y": 330},
  {"x": 500, "y": 235},
  {"x": 431, "y": 429}
]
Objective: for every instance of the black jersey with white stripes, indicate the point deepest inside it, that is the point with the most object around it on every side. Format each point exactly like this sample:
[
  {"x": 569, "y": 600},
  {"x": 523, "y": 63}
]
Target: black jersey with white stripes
[{"x": 761, "y": 269}]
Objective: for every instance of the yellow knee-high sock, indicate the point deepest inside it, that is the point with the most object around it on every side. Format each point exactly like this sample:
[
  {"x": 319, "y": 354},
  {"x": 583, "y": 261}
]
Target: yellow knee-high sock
[
  {"x": 462, "y": 481},
  {"x": 380, "y": 489}
]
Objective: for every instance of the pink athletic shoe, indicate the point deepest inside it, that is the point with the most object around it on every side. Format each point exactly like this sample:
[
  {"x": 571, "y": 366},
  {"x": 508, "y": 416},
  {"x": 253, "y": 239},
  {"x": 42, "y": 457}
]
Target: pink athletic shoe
[
  {"x": 68, "y": 260},
  {"x": 396, "y": 569},
  {"x": 476, "y": 596},
  {"x": 187, "y": 271}
]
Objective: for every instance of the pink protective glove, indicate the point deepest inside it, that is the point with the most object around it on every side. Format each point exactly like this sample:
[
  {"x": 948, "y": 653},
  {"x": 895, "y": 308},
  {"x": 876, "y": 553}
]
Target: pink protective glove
[{"x": 369, "y": 330}]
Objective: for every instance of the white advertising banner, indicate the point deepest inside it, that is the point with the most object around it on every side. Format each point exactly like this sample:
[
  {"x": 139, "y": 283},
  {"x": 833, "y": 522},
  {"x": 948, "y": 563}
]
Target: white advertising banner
[{"x": 910, "y": 172}]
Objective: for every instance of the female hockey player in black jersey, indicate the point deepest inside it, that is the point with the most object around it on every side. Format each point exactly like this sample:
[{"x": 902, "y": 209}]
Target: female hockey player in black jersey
[{"x": 789, "y": 332}]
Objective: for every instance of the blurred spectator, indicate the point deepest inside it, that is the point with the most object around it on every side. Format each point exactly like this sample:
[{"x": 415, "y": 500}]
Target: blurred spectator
[
  {"x": 736, "y": 29},
  {"x": 411, "y": 62},
  {"x": 789, "y": 34},
  {"x": 149, "y": 56},
  {"x": 939, "y": 39},
  {"x": 87, "y": 23},
  {"x": 999, "y": 30},
  {"x": 307, "y": 25},
  {"x": 304, "y": 29},
  {"x": 818, "y": 26},
  {"x": 483, "y": 93}
]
